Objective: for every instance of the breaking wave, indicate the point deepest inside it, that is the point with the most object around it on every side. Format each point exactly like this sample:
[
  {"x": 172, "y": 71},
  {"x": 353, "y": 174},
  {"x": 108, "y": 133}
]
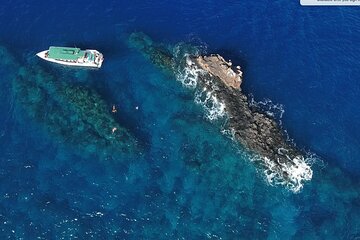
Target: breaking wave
[
  {"x": 189, "y": 75},
  {"x": 292, "y": 176},
  {"x": 214, "y": 108},
  {"x": 267, "y": 106},
  {"x": 229, "y": 132}
]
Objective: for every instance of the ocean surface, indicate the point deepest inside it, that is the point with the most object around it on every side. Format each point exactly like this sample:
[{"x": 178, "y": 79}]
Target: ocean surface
[{"x": 185, "y": 179}]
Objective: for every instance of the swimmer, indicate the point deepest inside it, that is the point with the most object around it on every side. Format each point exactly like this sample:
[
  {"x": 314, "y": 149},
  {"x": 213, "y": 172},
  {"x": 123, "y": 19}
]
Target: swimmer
[{"x": 114, "y": 110}]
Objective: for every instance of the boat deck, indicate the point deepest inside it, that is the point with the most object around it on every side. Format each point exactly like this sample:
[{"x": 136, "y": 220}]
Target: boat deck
[{"x": 65, "y": 53}]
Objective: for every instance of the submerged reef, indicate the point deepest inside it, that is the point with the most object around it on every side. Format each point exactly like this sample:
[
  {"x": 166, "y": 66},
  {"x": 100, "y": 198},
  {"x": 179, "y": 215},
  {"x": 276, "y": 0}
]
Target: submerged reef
[
  {"x": 217, "y": 86},
  {"x": 75, "y": 115}
]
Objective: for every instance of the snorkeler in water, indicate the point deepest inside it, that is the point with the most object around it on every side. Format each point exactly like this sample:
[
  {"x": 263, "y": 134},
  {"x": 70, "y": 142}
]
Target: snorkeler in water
[{"x": 114, "y": 110}]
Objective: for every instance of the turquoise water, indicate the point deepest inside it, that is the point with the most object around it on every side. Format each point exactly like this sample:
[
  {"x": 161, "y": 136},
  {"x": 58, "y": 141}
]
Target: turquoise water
[{"x": 183, "y": 179}]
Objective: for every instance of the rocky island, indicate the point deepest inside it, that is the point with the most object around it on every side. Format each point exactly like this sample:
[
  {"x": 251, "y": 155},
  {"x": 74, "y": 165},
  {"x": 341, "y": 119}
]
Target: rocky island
[{"x": 282, "y": 162}]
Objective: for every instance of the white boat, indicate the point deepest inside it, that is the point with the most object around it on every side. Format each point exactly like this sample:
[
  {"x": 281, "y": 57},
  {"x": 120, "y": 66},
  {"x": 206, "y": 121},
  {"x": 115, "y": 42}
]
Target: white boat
[{"x": 73, "y": 56}]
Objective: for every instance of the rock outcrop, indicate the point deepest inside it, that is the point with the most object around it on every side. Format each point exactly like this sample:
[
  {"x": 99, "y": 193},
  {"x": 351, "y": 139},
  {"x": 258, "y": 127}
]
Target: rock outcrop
[
  {"x": 253, "y": 129},
  {"x": 217, "y": 66},
  {"x": 260, "y": 134}
]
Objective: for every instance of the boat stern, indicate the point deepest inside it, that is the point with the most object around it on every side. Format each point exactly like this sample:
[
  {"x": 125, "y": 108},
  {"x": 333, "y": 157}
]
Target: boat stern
[{"x": 99, "y": 58}]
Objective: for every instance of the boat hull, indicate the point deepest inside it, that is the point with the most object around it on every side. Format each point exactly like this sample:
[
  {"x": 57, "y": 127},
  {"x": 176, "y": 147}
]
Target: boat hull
[{"x": 43, "y": 56}]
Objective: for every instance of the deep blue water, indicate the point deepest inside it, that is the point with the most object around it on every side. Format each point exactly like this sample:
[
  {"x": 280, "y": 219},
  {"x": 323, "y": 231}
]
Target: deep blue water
[{"x": 304, "y": 58}]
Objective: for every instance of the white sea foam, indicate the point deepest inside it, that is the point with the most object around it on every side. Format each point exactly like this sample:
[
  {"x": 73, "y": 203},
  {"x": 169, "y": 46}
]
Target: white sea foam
[
  {"x": 292, "y": 176},
  {"x": 189, "y": 76},
  {"x": 271, "y": 109},
  {"x": 214, "y": 108},
  {"x": 229, "y": 132}
]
